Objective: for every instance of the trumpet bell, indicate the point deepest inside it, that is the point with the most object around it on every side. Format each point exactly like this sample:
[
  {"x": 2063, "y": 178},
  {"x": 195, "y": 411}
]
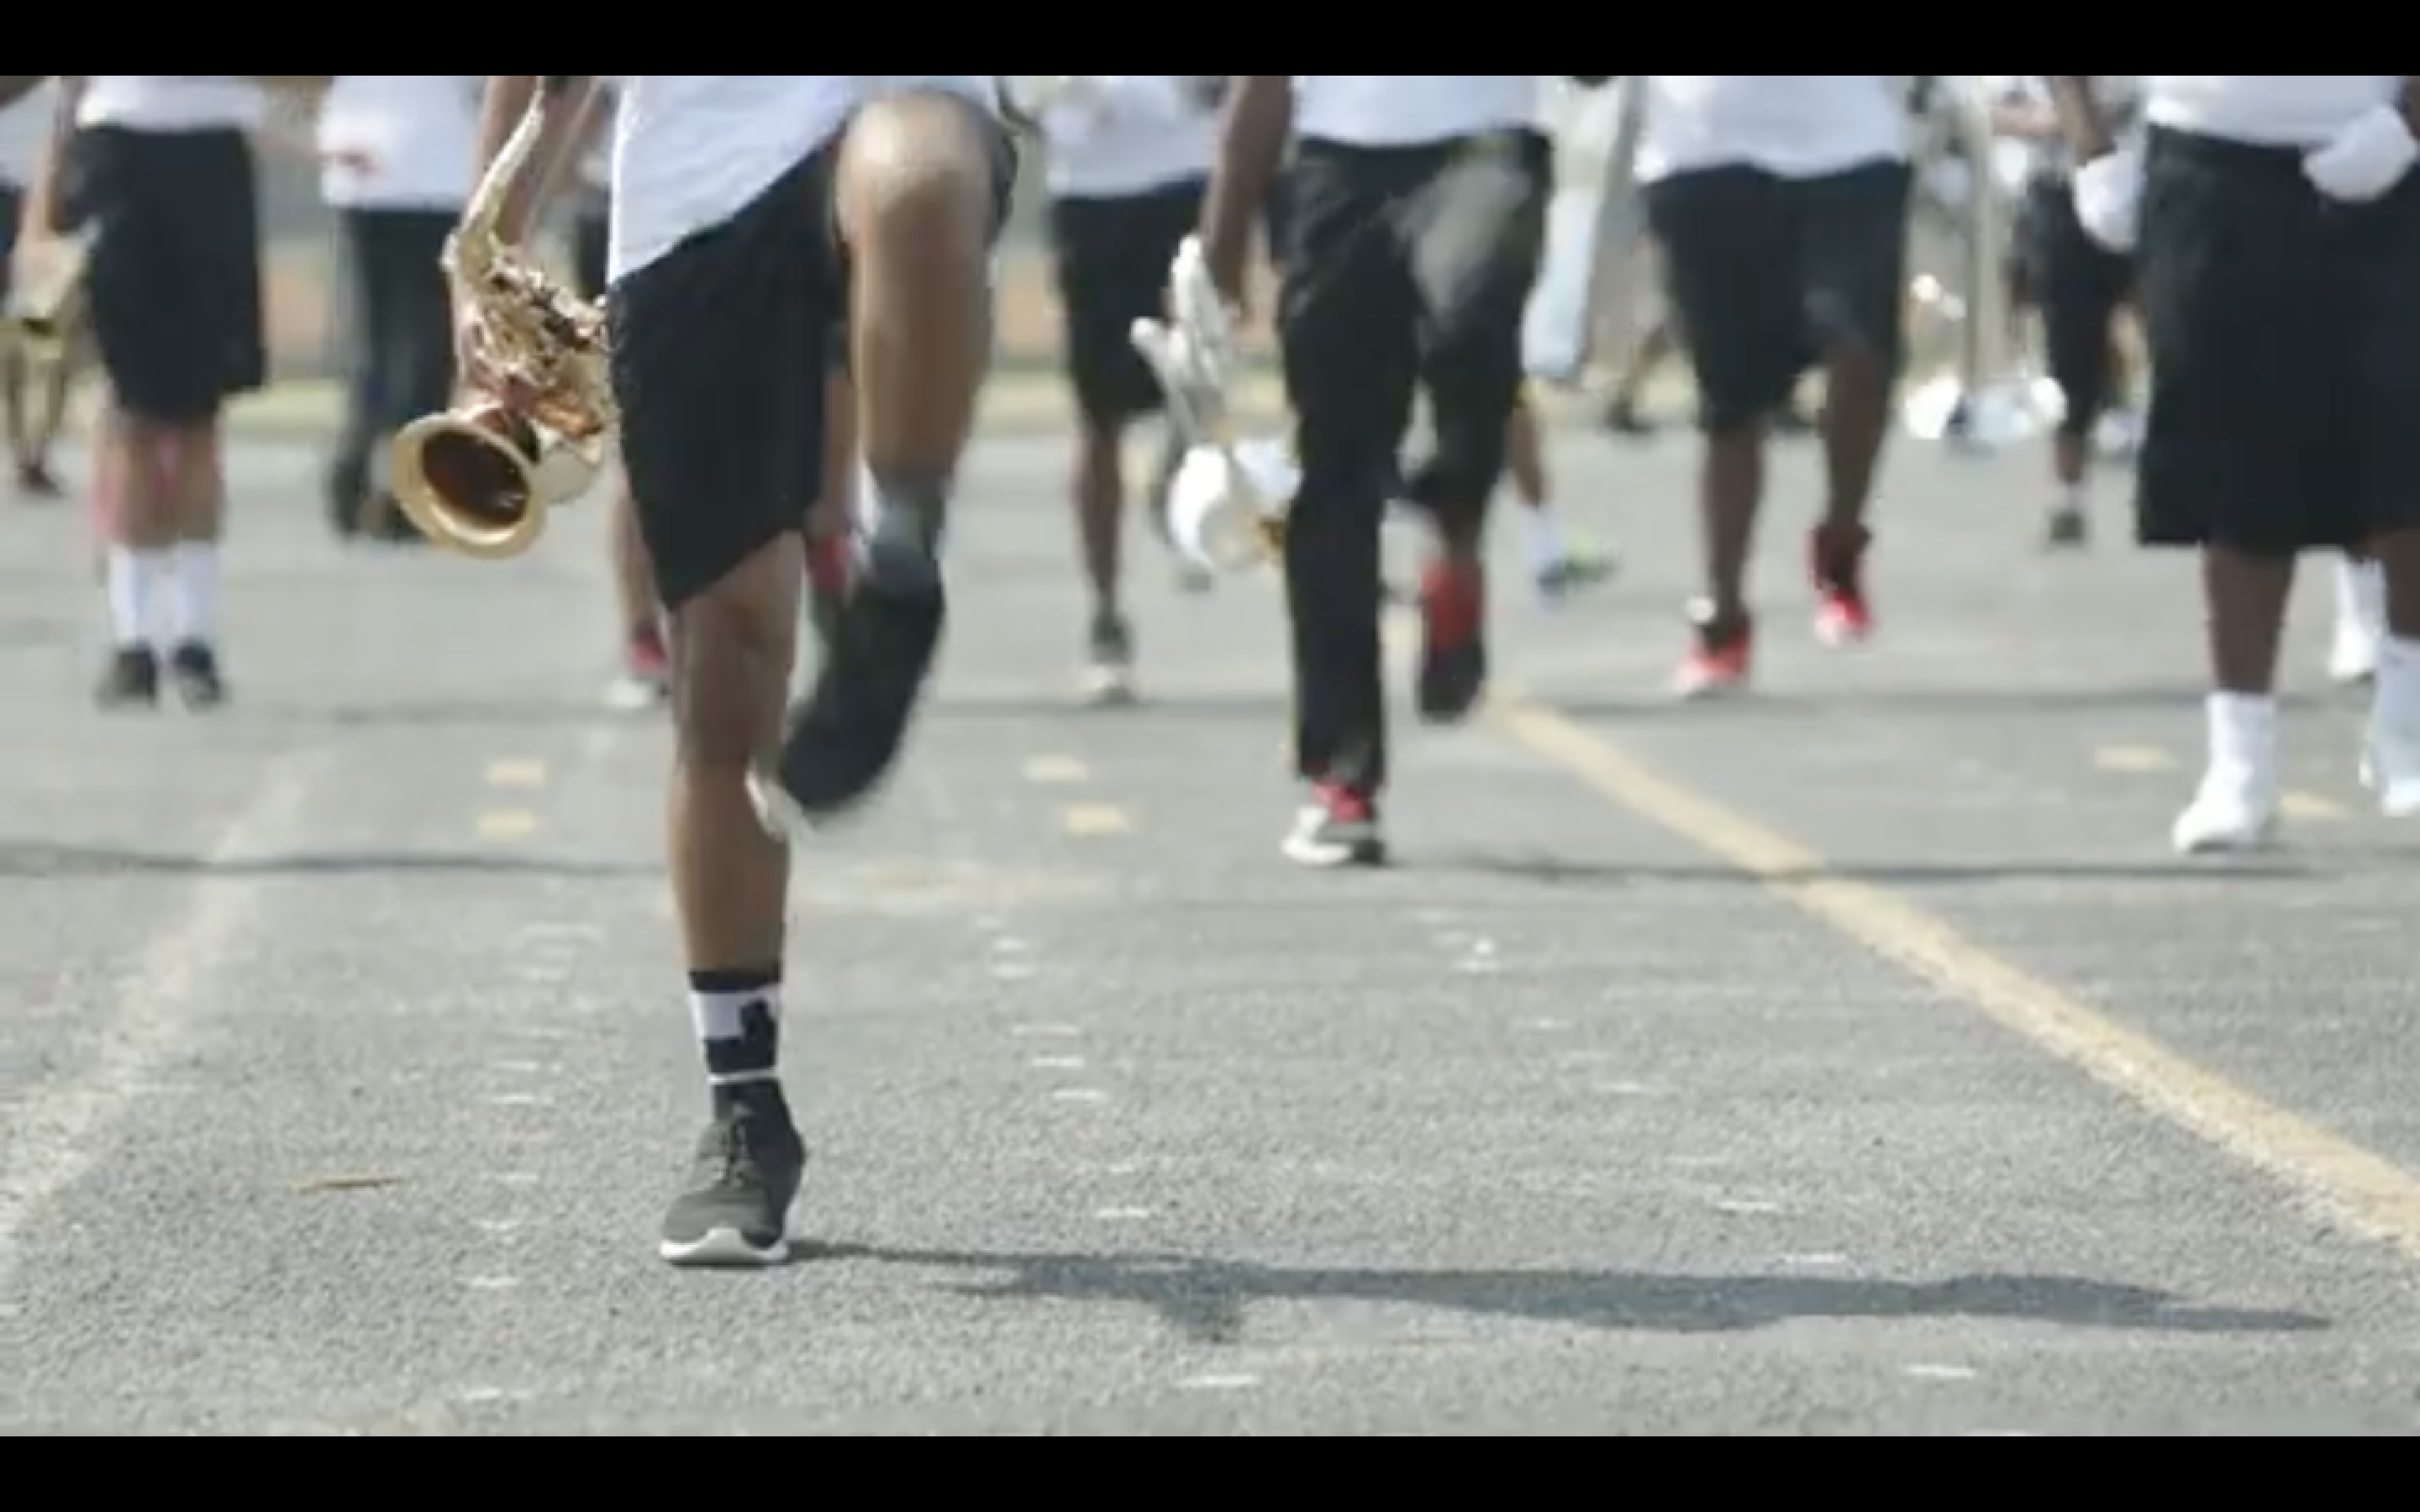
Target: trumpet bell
[
  {"x": 480, "y": 481},
  {"x": 1226, "y": 508}
]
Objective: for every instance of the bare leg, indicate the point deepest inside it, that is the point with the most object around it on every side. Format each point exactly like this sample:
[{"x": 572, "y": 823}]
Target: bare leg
[{"x": 915, "y": 193}]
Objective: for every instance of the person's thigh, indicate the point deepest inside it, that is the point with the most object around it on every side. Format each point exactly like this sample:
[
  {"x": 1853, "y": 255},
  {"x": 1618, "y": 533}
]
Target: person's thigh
[
  {"x": 1853, "y": 259},
  {"x": 1732, "y": 278},
  {"x": 1346, "y": 320},
  {"x": 1476, "y": 238},
  {"x": 720, "y": 362}
]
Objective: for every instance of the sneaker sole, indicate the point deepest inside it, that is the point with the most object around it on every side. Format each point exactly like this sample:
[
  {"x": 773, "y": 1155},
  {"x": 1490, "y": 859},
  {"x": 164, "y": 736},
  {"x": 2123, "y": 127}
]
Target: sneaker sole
[
  {"x": 725, "y": 1249},
  {"x": 1333, "y": 858},
  {"x": 922, "y": 623}
]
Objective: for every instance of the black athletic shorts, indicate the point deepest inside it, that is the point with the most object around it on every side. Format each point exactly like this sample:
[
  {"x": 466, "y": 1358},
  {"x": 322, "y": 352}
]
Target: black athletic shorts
[
  {"x": 1113, "y": 259},
  {"x": 174, "y": 285},
  {"x": 12, "y": 206},
  {"x": 1768, "y": 273},
  {"x": 2285, "y": 346},
  {"x": 720, "y": 353}
]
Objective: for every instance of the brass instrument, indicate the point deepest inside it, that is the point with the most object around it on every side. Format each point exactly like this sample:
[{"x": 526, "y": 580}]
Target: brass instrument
[
  {"x": 480, "y": 479},
  {"x": 46, "y": 314},
  {"x": 1227, "y": 504}
]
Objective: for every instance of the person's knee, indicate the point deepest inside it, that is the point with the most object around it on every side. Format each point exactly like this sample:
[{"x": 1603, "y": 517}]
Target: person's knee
[
  {"x": 732, "y": 649},
  {"x": 917, "y": 167}
]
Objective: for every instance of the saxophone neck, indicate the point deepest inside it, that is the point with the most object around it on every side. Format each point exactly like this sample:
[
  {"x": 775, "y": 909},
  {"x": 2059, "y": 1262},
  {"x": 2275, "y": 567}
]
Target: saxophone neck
[{"x": 480, "y": 238}]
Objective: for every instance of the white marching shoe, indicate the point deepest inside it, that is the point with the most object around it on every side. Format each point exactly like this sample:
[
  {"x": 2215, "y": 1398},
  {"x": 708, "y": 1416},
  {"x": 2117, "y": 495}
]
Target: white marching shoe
[
  {"x": 2235, "y": 812},
  {"x": 2390, "y": 768}
]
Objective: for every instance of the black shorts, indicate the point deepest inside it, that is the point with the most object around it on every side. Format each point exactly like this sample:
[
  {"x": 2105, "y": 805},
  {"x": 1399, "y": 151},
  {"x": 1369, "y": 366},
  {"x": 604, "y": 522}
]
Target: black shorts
[
  {"x": 1113, "y": 259},
  {"x": 12, "y": 206},
  {"x": 1769, "y": 273},
  {"x": 720, "y": 353},
  {"x": 2080, "y": 286},
  {"x": 2285, "y": 345},
  {"x": 174, "y": 284}
]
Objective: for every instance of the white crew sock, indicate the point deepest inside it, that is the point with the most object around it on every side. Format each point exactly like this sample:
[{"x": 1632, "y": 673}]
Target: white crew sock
[
  {"x": 194, "y": 606},
  {"x": 1545, "y": 533},
  {"x": 2361, "y": 596},
  {"x": 2398, "y": 687},
  {"x": 2242, "y": 738},
  {"x": 137, "y": 578}
]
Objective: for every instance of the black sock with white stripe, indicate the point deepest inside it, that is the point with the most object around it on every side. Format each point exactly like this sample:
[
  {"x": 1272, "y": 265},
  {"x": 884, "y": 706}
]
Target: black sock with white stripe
[{"x": 738, "y": 1018}]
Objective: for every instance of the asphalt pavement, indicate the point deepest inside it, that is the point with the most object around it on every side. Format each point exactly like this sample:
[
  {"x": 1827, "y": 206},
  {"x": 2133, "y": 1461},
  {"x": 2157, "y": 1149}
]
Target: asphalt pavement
[{"x": 1849, "y": 1061}]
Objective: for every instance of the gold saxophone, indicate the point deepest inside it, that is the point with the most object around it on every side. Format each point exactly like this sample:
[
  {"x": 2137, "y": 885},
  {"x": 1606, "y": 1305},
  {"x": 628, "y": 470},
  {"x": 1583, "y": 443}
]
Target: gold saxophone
[
  {"x": 46, "y": 318},
  {"x": 480, "y": 479}
]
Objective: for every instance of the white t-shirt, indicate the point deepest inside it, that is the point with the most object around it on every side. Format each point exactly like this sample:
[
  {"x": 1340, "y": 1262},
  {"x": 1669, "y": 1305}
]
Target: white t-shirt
[
  {"x": 1793, "y": 125},
  {"x": 172, "y": 102},
  {"x": 2298, "y": 110},
  {"x": 1389, "y": 110},
  {"x": 25, "y": 132},
  {"x": 418, "y": 131},
  {"x": 690, "y": 150},
  {"x": 1133, "y": 133}
]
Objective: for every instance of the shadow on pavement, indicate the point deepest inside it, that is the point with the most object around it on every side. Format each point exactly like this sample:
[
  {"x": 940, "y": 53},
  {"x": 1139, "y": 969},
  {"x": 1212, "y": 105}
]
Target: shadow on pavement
[
  {"x": 1549, "y": 871},
  {"x": 54, "y": 862},
  {"x": 1209, "y": 1299}
]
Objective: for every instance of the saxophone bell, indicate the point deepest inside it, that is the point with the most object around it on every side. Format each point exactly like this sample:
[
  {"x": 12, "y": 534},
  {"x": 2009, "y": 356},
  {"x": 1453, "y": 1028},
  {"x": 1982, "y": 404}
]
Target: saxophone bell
[
  {"x": 480, "y": 479},
  {"x": 1227, "y": 502}
]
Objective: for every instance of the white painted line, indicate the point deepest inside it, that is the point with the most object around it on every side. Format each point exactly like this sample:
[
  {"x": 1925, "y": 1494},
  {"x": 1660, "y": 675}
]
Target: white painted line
[
  {"x": 1748, "y": 1210},
  {"x": 1080, "y": 1096},
  {"x": 520, "y": 1099},
  {"x": 58, "y": 1132},
  {"x": 1221, "y": 1384},
  {"x": 1944, "y": 1374},
  {"x": 1057, "y": 1063},
  {"x": 1124, "y": 1215},
  {"x": 494, "y": 1282}
]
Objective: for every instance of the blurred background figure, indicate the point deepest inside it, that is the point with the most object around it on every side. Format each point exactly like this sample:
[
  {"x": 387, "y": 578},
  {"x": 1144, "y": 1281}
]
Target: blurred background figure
[
  {"x": 397, "y": 152},
  {"x": 33, "y": 395}
]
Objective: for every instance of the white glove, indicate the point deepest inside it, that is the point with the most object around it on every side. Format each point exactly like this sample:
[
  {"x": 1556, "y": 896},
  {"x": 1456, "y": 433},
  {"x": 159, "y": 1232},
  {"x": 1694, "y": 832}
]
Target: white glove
[
  {"x": 2366, "y": 160},
  {"x": 2109, "y": 199}
]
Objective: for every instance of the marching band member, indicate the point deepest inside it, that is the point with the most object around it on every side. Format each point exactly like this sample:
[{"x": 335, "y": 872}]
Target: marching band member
[
  {"x": 2278, "y": 218},
  {"x": 166, "y": 164},
  {"x": 2078, "y": 287},
  {"x": 1781, "y": 202},
  {"x": 1418, "y": 208},
  {"x": 1129, "y": 164},
  {"x": 754, "y": 214},
  {"x": 33, "y": 418},
  {"x": 395, "y": 159}
]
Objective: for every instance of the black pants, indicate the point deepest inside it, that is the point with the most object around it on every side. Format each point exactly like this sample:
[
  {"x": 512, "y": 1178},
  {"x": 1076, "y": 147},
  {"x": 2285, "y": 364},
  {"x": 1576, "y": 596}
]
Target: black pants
[
  {"x": 2080, "y": 285},
  {"x": 403, "y": 362},
  {"x": 1404, "y": 268}
]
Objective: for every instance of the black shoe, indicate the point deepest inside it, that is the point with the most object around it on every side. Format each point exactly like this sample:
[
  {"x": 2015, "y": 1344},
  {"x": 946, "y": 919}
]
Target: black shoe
[
  {"x": 847, "y": 735},
  {"x": 195, "y": 669},
  {"x": 131, "y": 680},
  {"x": 1624, "y": 418},
  {"x": 736, "y": 1213},
  {"x": 1338, "y": 829},
  {"x": 1453, "y": 647},
  {"x": 1108, "y": 662},
  {"x": 2068, "y": 529}
]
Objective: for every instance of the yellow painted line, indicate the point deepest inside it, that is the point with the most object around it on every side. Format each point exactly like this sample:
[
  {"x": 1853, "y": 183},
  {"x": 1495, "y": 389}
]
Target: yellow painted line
[
  {"x": 504, "y": 825},
  {"x": 1095, "y": 820},
  {"x": 2360, "y": 1187},
  {"x": 520, "y": 776},
  {"x": 1057, "y": 772},
  {"x": 2133, "y": 761},
  {"x": 2310, "y": 808}
]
